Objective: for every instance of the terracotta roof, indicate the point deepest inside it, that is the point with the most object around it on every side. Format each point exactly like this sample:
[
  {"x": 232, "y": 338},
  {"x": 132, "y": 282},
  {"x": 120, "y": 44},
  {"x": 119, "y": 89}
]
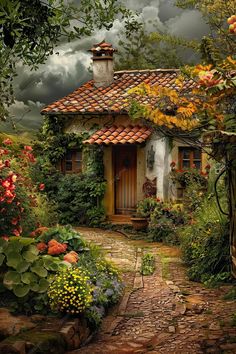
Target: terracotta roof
[
  {"x": 113, "y": 98},
  {"x": 120, "y": 135}
]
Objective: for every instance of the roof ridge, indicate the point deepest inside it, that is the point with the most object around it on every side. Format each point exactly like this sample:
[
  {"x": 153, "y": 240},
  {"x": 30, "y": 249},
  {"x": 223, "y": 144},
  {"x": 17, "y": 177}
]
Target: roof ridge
[{"x": 144, "y": 70}]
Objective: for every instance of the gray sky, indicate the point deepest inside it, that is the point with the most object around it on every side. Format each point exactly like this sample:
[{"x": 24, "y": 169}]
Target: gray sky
[{"x": 64, "y": 72}]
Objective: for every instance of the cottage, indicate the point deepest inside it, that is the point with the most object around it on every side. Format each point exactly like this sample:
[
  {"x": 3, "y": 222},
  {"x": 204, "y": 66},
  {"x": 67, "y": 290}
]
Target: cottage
[{"x": 136, "y": 158}]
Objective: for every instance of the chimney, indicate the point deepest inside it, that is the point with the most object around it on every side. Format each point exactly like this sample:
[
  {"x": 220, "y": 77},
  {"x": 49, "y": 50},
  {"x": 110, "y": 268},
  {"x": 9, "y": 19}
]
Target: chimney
[{"x": 103, "y": 72}]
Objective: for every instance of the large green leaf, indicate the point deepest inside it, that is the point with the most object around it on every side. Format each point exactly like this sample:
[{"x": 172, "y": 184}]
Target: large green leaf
[
  {"x": 13, "y": 246},
  {"x": 2, "y": 257},
  {"x": 11, "y": 278},
  {"x": 29, "y": 256},
  {"x": 29, "y": 278},
  {"x": 51, "y": 265},
  {"x": 34, "y": 287},
  {"x": 13, "y": 259},
  {"x": 43, "y": 285},
  {"x": 39, "y": 270},
  {"x": 3, "y": 245},
  {"x": 22, "y": 266},
  {"x": 33, "y": 249},
  {"x": 25, "y": 241},
  {"x": 21, "y": 290}
]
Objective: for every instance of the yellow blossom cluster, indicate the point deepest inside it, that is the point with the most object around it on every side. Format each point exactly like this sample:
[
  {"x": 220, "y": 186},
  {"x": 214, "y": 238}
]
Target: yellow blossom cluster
[
  {"x": 105, "y": 266},
  {"x": 70, "y": 291}
]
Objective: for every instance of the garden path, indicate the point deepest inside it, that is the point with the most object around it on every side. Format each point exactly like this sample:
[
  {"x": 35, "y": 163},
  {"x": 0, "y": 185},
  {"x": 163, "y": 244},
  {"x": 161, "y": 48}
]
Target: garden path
[{"x": 164, "y": 312}]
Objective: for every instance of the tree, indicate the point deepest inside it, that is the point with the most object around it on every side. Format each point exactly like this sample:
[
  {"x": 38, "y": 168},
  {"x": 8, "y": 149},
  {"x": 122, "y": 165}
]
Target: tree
[
  {"x": 30, "y": 29},
  {"x": 151, "y": 50},
  {"x": 219, "y": 43}
]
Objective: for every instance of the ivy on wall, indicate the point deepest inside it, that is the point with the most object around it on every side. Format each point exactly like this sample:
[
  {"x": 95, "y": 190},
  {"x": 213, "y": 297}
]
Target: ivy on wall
[{"x": 78, "y": 196}]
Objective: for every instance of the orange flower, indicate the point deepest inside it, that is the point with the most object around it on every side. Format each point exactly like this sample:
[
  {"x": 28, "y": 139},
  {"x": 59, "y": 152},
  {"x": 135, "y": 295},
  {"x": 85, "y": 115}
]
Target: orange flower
[
  {"x": 41, "y": 246},
  {"x": 70, "y": 258},
  {"x": 56, "y": 247}
]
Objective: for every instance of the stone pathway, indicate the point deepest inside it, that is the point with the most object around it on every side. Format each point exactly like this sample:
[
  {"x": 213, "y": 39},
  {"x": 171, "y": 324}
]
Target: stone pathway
[{"x": 162, "y": 313}]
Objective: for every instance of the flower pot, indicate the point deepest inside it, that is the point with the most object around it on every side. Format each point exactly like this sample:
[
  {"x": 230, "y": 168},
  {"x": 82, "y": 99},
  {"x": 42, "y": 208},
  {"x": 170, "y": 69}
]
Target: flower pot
[{"x": 139, "y": 223}]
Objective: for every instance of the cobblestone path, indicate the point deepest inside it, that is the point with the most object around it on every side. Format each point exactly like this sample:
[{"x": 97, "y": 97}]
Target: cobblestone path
[{"x": 162, "y": 313}]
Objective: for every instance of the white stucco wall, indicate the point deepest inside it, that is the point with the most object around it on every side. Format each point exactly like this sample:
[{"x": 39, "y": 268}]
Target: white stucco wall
[{"x": 161, "y": 167}]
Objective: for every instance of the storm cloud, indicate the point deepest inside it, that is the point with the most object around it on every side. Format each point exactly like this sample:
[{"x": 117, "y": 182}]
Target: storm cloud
[{"x": 68, "y": 67}]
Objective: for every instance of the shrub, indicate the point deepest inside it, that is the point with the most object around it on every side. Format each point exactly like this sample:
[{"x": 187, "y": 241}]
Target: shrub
[
  {"x": 25, "y": 273},
  {"x": 146, "y": 206},
  {"x": 205, "y": 242},
  {"x": 19, "y": 196},
  {"x": 70, "y": 291},
  {"x": 63, "y": 234},
  {"x": 164, "y": 221},
  {"x": 79, "y": 199},
  {"x": 148, "y": 264}
]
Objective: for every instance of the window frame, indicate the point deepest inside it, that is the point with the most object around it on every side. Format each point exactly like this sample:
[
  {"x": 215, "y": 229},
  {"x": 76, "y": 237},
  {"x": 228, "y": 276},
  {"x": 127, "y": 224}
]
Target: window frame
[
  {"x": 74, "y": 161},
  {"x": 191, "y": 157}
]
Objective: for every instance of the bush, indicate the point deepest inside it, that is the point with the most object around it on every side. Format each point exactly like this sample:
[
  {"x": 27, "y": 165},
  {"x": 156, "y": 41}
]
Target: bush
[
  {"x": 148, "y": 264},
  {"x": 164, "y": 221},
  {"x": 79, "y": 199},
  {"x": 25, "y": 273},
  {"x": 205, "y": 242},
  {"x": 70, "y": 291}
]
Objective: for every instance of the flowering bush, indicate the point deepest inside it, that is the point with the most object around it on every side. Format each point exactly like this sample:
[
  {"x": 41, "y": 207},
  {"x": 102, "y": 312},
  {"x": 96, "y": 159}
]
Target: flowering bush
[
  {"x": 17, "y": 193},
  {"x": 70, "y": 291},
  {"x": 188, "y": 176},
  {"x": 146, "y": 206}
]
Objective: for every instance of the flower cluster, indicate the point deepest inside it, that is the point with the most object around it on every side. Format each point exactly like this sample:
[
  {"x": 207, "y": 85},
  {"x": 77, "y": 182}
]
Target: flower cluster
[
  {"x": 70, "y": 292},
  {"x": 16, "y": 188},
  {"x": 189, "y": 175},
  {"x": 53, "y": 247},
  {"x": 71, "y": 257}
]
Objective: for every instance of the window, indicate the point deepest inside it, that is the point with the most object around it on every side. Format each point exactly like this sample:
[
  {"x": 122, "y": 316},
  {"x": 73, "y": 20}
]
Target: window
[
  {"x": 189, "y": 157},
  {"x": 72, "y": 162}
]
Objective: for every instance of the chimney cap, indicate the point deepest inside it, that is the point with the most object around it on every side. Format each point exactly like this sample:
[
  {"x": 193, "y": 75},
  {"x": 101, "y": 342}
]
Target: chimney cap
[{"x": 103, "y": 47}]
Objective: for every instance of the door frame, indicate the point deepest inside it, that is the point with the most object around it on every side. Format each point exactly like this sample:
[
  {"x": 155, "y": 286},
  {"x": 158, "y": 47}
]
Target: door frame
[{"x": 114, "y": 155}]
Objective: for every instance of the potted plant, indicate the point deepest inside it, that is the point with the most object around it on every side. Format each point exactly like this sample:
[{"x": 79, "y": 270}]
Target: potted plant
[{"x": 144, "y": 208}]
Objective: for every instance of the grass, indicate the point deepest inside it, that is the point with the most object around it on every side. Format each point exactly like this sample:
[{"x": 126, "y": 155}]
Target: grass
[
  {"x": 133, "y": 314},
  {"x": 165, "y": 266}
]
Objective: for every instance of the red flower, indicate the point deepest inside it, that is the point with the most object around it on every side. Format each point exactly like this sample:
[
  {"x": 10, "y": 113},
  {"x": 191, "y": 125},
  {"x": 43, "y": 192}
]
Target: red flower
[
  {"x": 41, "y": 186},
  {"x": 208, "y": 167},
  {"x": 28, "y": 148},
  {"x": 14, "y": 221},
  {"x": 7, "y": 163},
  {"x": 5, "y": 237},
  {"x": 172, "y": 164},
  {"x": 41, "y": 246},
  {"x": 16, "y": 232},
  {"x": 6, "y": 184},
  {"x": 7, "y": 141}
]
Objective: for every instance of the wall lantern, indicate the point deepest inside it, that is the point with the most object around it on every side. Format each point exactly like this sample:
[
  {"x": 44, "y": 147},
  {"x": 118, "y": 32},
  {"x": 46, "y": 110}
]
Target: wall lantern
[{"x": 150, "y": 158}]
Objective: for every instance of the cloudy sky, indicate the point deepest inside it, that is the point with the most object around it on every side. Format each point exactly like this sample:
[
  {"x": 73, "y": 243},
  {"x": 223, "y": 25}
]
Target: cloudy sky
[{"x": 65, "y": 71}]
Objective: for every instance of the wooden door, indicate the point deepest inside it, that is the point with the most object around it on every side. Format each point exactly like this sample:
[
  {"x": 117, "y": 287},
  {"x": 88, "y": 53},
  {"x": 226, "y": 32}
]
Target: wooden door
[{"x": 125, "y": 172}]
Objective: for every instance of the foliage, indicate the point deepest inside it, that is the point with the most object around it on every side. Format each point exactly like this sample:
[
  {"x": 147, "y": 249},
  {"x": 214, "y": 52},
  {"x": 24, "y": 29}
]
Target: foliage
[
  {"x": 74, "y": 205},
  {"x": 220, "y": 42},
  {"x": 66, "y": 235},
  {"x": 18, "y": 194},
  {"x": 231, "y": 295},
  {"x": 84, "y": 281},
  {"x": 215, "y": 280},
  {"x": 146, "y": 206},
  {"x": 29, "y": 31},
  {"x": 26, "y": 274},
  {"x": 149, "y": 50},
  {"x": 70, "y": 291},
  {"x": 107, "y": 285},
  {"x": 148, "y": 264},
  {"x": 205, "y": 242},
  {"x": 207, "y": 106},
  {"x": 165, "y": 219},
  {"x": 188, "y": 176}
]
